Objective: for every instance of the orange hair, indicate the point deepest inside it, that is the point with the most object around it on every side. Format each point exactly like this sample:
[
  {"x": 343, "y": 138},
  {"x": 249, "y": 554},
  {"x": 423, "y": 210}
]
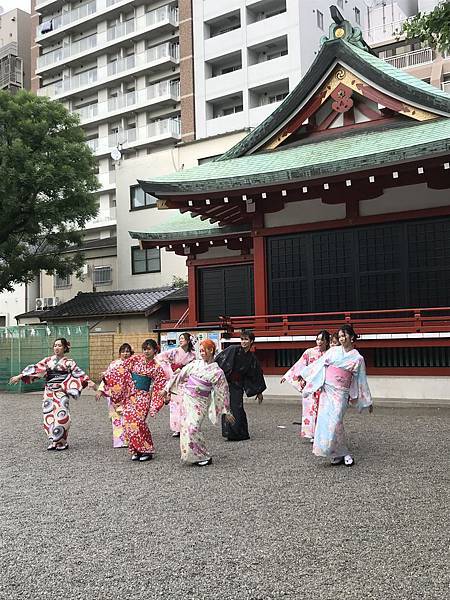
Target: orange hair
[{"x": 208, "y": 345}]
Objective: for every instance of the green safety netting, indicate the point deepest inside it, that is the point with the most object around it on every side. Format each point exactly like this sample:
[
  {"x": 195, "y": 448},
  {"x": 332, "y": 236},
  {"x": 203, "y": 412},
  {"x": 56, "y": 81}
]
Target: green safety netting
[{"x": 27, "y": 344}]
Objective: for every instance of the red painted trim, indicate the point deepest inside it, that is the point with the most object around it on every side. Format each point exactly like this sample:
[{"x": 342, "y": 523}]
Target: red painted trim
[
  {"x": 260, "y": 275},
  {"x": 211, "y": 262},
  {"x": 440, "y": 211},
  {"x": 192, "y": 295},
  {"x": 349, "y": 117},
  {"x": 386, "y": 343}
]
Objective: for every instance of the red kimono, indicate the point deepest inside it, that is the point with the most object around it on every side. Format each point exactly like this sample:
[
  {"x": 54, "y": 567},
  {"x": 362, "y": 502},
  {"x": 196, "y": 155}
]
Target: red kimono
[{"x": 137, "y": 385}]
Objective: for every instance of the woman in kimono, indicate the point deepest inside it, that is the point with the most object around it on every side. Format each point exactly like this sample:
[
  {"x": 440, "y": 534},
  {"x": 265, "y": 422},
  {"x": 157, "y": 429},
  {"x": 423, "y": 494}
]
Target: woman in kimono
[
  {"x": 116, "y": 410},
  {"x": 243, "y": 373},
  {"x": 340, "y": 374},
  {"x": 63, "y": 380},
  {"x": 205, "y": 392},
  {"x": 172, "y": 361},
  {"x": 334, "y": 340},
  {"x": 137, "y": 384},
  {"x": 310, "y": 402}
]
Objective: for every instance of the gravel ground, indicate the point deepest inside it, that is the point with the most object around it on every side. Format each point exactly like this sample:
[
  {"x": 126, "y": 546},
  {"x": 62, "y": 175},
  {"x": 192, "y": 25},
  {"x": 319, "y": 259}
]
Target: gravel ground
[{"x": 267, "y": 520}]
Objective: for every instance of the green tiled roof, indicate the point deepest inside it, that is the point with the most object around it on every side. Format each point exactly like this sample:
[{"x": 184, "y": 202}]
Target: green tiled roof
[
  {"x": 397, "y": 74},
  {"x": 183, "y": 226},
  {"x": 356, "y": 150}
]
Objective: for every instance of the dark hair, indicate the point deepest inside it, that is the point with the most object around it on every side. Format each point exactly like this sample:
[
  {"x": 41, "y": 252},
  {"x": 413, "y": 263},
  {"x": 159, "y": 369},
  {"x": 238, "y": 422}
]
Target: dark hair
[
  {"x": 150, "y": 344},
  {"x": 351, "y": 332},
  {"x": 124, "y": 347},
  {"x": 65, "y": 343},
  {"x": 187, "y": 336},
  {"x": 335, "y": 338},
  {"x": 325, "y": 336},
  {"x": 248, "y": 333}
]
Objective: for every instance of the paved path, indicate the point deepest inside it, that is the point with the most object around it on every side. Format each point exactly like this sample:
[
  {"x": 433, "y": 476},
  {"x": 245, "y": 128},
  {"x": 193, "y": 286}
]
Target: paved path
[{"x": 267, "y": 520}]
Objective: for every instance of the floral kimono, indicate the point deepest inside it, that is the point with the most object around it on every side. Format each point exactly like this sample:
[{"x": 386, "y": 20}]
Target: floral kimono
[
  {"x": 172, "y": 361},
  {"x": 205, "y": 392},
  {"x": 137, "y": 384},
  {"x": 342, "y": 378},
  {"x": 310, "y": 402},
  {"x": 63, "y": 380},
  {"x": 115, "y": 411}
]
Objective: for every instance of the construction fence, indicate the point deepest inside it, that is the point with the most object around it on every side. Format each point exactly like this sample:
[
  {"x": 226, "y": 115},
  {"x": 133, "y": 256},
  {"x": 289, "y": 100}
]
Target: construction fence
[{"x": 28, "y": 344}]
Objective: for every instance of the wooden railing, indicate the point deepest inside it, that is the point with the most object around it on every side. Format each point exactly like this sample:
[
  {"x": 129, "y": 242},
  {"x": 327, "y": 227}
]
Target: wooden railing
[{"x": 405, "y": 320}]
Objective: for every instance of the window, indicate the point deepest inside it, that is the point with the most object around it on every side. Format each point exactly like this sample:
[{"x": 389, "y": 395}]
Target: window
[
  {"x": 62, "y": 282},
  {"x": 358, "y": 16},
  {"x": 140, "y": 199},
  {"x": 145, "y": 261},
  {"x": 102, "y": 275},
  {"x": 232, "y": 109},
  {"x": 340, "y": 3},
  {"x": 319, "y": 19},
  {"x": 277, "y": 97}
]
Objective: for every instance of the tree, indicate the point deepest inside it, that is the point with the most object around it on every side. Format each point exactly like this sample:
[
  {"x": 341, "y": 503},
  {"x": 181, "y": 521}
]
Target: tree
[
  {"x": 47, "y": 176},
  {"x": 433, "y": 28}
]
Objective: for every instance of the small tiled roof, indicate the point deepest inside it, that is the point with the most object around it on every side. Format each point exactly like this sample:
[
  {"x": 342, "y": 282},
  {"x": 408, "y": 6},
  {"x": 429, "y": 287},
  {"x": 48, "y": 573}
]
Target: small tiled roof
[
  {"x": 102, "y": 304},
  {"x": 183, "y": 226},
  {"x": 178, "y": 294}
]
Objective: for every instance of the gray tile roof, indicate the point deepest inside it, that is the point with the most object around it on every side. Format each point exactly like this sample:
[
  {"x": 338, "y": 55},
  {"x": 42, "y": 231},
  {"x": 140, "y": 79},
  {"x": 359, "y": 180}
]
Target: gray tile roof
[{"x": 100, "y": 304}]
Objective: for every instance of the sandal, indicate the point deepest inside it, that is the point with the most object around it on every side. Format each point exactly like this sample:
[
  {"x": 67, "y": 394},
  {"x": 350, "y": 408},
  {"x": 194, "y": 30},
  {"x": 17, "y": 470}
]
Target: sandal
[
  {"x": 349, "y": 460},
  {"x": 51, "y": 447},
  {"x": 204, "y": 463},
  {"x": 337, "y": 460},
  {"x": 135, "y": 456},
  {"x": 63, "y": 447},
  {"x": 144, "y": 457}
]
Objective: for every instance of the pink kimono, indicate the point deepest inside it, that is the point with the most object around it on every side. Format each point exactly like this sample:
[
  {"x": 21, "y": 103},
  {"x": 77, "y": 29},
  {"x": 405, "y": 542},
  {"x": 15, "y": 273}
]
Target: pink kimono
[
  {"x": 172, "y": 361},
  {"x": 310, "y": 401}
]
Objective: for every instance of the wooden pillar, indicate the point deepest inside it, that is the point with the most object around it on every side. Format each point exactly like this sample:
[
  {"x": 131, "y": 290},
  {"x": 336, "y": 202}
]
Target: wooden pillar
[
  {"x": 192, "y": 295},
  {"x": 260, "y": 275}
]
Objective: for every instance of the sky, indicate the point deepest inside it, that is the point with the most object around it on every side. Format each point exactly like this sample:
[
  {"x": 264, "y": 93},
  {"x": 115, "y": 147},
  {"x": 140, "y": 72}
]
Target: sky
[{"x": 10, "y": 4}]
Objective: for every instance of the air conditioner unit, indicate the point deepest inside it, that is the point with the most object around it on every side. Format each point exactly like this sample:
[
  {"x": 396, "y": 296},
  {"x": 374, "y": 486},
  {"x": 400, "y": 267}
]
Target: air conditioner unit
[
  {"x": 39, "y": 303},
  {"x": 51, "y": 302}
]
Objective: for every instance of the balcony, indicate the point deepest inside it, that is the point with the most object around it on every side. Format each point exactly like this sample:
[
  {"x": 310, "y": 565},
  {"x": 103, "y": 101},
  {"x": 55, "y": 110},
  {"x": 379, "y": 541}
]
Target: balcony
[
  {"x": 164, "y": 54},
  {"x": 223, "y": 85},
  {"x": 226, "y": 43},
  {"x": 410, "y": 59},
  {"x": 104, "y": 217},
  {"x": 107, "y": 183},
  {"x": 68, "y": 18},
  {"x": 278, "y": 25},
  {"x": 162, "y": 18},
  {"x": 159, "y": 94},
  {"x": 158, "y": 131},
  {"x": 268, "y": 70},
  {"x": 385, "y": 32},
  {"x": 446, "y": 86}
]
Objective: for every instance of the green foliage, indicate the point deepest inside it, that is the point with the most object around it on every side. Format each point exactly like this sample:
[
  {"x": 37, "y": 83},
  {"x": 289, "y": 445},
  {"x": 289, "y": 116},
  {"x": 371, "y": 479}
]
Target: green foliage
[
  {"x": 178, "y": 282},
  {"x": 47, "y": 176},
  {"x": 433, "y": 28}
]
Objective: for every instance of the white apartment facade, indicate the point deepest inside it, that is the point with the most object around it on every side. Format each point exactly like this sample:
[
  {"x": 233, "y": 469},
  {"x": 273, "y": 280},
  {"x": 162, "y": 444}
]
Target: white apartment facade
[
  {"x": 116, "y": 64},
  {"x": 250, "y": 53}
]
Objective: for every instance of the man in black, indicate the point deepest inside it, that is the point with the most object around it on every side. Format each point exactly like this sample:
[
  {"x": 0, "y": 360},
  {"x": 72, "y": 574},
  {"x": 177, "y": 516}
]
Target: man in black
[{"x": 243, "y": 373}]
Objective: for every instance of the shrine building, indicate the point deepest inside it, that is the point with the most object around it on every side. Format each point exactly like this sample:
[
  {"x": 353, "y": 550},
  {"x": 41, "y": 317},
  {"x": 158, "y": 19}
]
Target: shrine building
[{"x": 334, "y": 209}]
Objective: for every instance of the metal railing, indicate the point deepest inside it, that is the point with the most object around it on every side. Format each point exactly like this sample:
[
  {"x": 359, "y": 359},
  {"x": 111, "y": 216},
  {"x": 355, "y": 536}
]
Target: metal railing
[
  {"x": 165, "y": 14},
  {"x": 66, "y": 18},
  {"x": 405, "y": 320},
  {"x": 410, "y": 59}
]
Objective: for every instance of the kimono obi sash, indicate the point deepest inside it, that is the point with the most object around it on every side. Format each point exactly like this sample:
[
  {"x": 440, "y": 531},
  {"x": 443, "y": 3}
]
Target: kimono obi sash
[
  {"x": 338, "y": 378},
  {"x": 142, "y": 383},
  {"x": 176, "y": 366},
  {"x": 53, "y": 376},
  {"x": 198, "y": 387}
]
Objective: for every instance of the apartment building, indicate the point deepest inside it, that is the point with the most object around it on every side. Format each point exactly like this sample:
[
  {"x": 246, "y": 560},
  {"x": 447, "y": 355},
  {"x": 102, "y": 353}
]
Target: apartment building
[
  {"x": 250, "y": 53},
  {"x": 115, "y": 63},
  {"x": 385, "y": 20},
  {"x": 15, "y": 59}
]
